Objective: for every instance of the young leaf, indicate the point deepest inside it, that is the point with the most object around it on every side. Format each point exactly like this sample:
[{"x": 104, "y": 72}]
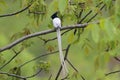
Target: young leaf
[
  {"x": 108, "y": 28},
  {"x": 50, "y": 48},
  {"x": 96, "y": 63},
  {"x": 95, "y": 32}
]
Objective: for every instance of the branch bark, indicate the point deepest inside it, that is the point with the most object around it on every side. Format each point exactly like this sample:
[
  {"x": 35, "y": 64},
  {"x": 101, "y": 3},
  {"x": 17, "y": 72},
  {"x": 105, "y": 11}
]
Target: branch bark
[{"x": 43, "y": 33}]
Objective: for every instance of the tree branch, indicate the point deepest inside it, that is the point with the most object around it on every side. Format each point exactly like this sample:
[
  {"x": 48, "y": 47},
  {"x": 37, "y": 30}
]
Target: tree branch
[
  {"x": 43, "y": 33},
  {"x": 15, "y": 13}
]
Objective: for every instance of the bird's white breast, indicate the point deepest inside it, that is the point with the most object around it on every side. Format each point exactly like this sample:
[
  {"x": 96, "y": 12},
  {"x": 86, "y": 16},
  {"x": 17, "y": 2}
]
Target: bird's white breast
[{"x": 56, "y": 22}]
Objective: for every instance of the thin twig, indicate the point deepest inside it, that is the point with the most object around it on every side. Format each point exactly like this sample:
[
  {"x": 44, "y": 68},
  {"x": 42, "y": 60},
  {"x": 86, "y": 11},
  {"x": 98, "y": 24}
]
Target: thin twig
[
  {"x": 72, "y": 65},
  {"x": 116, "y": 58},
  {"x": 112, "y": 73},
  {"x": 50, "y": 77},
  {"x": 34, "y": 74},
  {"x": 67, "y": 49},
  {"x": 88, "y": 13},
  {"x": 13, "y": 75},
  {"x": 16, "y": 54},
  {"x": 80, "y": 14},
  {"x": 95, "y": 14},
  {"x": 82, "y": 77},
  {"x": 43, "y": 33},
  {"x": 85, "y": 16},
  {"x": 15, "y": 13},
  {"x": 42, "y": 55},
  {"x": 21, "y": 77},
  {"x": 75, "y": 69},
  {"x": 56, "y": 78}
]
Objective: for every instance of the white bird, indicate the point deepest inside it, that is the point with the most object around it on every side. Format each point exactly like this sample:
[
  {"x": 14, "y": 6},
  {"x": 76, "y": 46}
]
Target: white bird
[{"x": 57, "y": 25}]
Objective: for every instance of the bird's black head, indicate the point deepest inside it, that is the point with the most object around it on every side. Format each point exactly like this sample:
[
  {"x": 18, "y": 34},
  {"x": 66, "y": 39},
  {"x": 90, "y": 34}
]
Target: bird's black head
[{"x": 54, "y": 15}]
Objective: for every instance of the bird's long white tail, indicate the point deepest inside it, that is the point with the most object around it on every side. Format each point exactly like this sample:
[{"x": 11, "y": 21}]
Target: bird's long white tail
[{"x": 64, "y": 67}]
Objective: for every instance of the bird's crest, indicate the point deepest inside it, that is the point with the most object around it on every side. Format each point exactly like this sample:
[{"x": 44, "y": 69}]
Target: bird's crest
[{"x": 54, "y": 15}]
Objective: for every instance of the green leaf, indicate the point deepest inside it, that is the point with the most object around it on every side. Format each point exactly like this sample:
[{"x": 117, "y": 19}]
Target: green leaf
[
  {"x": 62, "y": 5},
  {"x": 109, "y": 29},
  {"x": 95, "y": 32},
  {"x": 71, "y": 37}
]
